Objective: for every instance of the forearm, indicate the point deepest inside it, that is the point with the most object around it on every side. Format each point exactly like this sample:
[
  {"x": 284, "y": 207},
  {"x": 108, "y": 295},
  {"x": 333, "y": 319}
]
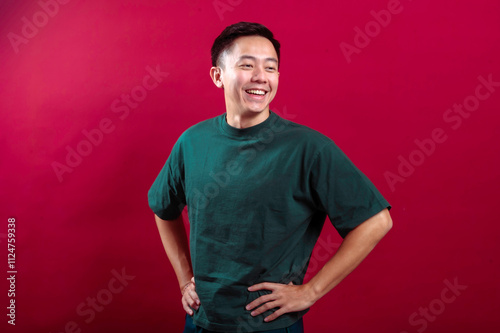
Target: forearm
[
  {"x": 354, "y": 248},
  {"x": 174, "y": 239}
]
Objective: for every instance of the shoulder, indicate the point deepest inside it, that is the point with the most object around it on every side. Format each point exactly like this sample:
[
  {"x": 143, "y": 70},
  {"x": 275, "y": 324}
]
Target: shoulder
[
  {"x": 201, "y": 128},
  {"x": 303, "y": 134}
]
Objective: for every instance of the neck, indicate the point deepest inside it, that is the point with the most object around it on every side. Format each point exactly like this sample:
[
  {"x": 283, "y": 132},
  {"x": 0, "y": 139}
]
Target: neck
[{"x": 248, "y": 119}]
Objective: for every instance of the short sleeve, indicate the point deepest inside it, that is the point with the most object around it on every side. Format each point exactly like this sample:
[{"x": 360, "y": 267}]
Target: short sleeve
[
  {"x": 341, "y": 190},
  {"x": 166, "y": 197}
]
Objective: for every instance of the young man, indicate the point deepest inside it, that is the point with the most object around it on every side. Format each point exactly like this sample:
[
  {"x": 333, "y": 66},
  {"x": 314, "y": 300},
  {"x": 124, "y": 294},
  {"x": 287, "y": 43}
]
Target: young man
[{"x": 258, "y": 189}]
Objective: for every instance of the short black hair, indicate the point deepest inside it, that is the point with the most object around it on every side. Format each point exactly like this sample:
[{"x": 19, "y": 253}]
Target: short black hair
[{"x": 225, "y": 40}]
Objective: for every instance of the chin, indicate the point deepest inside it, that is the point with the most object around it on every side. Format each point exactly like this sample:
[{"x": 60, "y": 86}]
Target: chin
[
  {"x": 258, "y": 109},
  {"x": 254, "y": 111}
]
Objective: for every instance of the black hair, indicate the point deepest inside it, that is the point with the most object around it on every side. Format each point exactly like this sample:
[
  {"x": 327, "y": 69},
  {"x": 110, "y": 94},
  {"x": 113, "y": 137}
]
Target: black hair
[{"x": 225, "y": 40}]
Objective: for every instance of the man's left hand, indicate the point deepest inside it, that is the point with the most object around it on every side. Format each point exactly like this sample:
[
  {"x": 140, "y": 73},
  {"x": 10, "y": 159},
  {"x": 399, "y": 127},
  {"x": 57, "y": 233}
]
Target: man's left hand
[{"x": 286, "y": 297}]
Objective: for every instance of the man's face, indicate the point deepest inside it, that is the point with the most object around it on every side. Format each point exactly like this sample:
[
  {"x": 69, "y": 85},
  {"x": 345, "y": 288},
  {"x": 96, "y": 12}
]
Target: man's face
[{"x": 249, "y": 75}]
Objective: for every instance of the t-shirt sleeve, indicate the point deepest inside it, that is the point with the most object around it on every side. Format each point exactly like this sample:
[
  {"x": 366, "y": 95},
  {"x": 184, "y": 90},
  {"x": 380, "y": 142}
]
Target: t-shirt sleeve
[
  {"x": 166, "y": 196},
  {"x": 347, "y": 196}
]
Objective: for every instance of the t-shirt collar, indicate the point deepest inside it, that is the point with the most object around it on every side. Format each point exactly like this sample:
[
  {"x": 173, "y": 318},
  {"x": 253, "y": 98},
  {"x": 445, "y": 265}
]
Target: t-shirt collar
[{"x": 245, "y": 132}]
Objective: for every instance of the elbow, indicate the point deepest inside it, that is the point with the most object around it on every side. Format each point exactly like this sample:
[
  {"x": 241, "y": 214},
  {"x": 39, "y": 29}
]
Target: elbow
[
  {"x": 376, "y": 227},
  {"x": 385, "y": 221}
]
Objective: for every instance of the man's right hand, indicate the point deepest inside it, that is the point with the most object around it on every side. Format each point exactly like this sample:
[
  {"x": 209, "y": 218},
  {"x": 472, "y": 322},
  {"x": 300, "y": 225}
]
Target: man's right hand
[
  {"x": 190, "y": 299},
  {"x": 174, "y": 240}
]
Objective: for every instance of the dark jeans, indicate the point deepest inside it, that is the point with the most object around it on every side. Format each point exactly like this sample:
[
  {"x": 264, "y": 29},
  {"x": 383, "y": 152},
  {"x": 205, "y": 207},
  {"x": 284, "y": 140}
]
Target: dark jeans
[{"x": 190, "y": 327}]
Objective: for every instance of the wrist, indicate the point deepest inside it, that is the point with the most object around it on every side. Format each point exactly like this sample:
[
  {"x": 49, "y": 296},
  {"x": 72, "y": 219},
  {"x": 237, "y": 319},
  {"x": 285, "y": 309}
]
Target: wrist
[
  {"x": 311, "y": 294},
  {"x": 183, "y": 290}
]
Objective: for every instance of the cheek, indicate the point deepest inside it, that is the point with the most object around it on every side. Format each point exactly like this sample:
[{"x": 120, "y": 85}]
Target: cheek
[
  {"x": 242, "y": 79},
  {"x": 237, "y": 81},
  {"x": 274, "y": 84}
]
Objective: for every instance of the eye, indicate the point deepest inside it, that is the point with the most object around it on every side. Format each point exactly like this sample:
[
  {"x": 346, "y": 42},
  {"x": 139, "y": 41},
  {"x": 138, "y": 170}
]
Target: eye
[
  {"x": 246, "y": 65},
  {"x": 270, "y": 69}
]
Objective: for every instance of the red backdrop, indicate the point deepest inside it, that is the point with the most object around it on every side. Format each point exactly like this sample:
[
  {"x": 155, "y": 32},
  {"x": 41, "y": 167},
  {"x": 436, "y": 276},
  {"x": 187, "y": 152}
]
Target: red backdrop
[{"x": 94, "y": 94}]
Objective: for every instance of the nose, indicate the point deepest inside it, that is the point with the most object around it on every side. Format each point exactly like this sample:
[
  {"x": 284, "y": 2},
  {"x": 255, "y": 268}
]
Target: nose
[{"x": 259, "y": 75}]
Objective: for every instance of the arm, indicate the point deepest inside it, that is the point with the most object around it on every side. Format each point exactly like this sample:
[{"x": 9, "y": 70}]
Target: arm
[
  {"x": 354, "y": 248},
  {"x": 174, "y": 239}
]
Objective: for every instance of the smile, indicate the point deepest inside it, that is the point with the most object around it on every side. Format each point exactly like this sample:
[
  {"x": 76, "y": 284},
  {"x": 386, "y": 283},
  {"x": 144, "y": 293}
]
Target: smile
[{"x": 256, "y": 92}]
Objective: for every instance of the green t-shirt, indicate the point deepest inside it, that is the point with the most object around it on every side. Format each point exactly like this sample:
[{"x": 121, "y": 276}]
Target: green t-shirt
[{"x": 257, "y": 199}]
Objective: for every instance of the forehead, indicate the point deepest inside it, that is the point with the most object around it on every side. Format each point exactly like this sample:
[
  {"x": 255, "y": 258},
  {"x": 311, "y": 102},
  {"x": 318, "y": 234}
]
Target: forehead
[{"x": 255, "y": 46}]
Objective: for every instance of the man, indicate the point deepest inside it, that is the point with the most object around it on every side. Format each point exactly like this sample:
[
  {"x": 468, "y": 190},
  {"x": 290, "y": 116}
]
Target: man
[{"x": 258, "y": 189}]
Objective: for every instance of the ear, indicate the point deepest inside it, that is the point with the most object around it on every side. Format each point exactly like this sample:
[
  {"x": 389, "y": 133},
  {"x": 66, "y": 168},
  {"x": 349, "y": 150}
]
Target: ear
[{"x": 216, "y": 75}]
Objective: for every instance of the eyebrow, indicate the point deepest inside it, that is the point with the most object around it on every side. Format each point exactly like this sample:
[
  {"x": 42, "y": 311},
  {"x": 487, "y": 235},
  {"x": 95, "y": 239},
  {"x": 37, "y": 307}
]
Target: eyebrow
[{"x": 254, "y": 59}]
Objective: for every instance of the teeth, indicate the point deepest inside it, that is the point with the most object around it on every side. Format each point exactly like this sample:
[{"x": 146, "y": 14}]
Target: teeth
[{"x": 256, "y": 92}]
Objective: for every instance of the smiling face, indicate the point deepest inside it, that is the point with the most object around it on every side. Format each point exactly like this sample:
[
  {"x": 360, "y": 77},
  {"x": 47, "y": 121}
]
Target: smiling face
[{"x": 248, "y": 73}]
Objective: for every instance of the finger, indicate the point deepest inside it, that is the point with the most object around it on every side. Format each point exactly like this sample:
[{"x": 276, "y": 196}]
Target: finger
[
  {"x": 261, "y": 300},
  {"x": 275, "y": 315},
  {"x": 192, "y": 279},
  {"x": 264, "y": 308},
  {"x": 261, "y": 286},
  {"x": 190, "y": 301},
  {"x": 186, "y": 307},
  {"x": 194, "y": 295}
]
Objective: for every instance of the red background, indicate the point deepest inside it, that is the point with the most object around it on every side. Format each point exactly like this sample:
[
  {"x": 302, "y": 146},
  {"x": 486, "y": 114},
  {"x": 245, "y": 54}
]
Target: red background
[{"x": 73, "y": 232}]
